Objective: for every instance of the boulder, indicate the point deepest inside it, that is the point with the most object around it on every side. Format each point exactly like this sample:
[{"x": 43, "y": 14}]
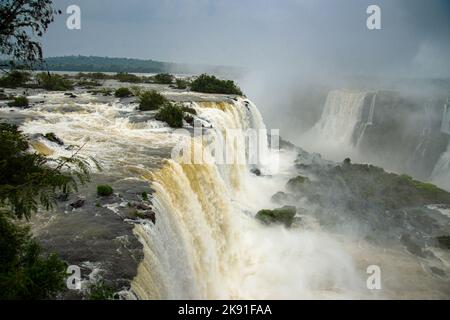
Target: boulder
[
  {"x": 78, "y": 203},
  {"x": 284, "y": 215}
]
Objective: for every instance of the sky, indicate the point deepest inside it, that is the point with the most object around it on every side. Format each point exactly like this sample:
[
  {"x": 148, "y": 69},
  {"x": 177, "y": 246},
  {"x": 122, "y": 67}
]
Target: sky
[{"x": 307, "y": 37}]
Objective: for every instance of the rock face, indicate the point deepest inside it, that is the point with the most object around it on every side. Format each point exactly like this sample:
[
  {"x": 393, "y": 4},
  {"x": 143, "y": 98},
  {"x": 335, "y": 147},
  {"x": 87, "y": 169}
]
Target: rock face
[
  {"x": 382, "y": 207},
  {"x": 284, "y": 215}
]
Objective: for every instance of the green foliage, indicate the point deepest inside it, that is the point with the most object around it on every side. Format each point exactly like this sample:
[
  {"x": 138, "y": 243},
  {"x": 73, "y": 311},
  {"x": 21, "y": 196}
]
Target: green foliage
[
  {"x": 144, "y": 196},
  {"x": 211, "y": 84},
  {"x": 181, "y": 84},
  {"x": 25, "y": 273},
  {"x": 122, "y": 93},
  {"x": 104, "y": 64},
  {"x": 19, "y": 102},
  {"x": 171, "y": 114},
  {"x": 163, "y": 78},
  {"x": 284, "y": 215},
  {"x": 53, "y": 82},
  {"x": 29, "y": 179},
  {"x": 151, "y": 100},
  {"x": 100, "y": 291},
  {"x": 128, "y": 77},
  {"x": 22, "y": 22},
  {"x": 15, "y": 79},
  {"x": 104, "y": 190}
]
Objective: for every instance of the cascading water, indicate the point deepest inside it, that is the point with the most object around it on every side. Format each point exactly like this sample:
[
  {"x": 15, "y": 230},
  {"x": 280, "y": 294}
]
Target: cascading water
[
  {"x": 441, "y": 172},
  {"x": 207, "y": 244},
  {"x": 342, "y": 125}
]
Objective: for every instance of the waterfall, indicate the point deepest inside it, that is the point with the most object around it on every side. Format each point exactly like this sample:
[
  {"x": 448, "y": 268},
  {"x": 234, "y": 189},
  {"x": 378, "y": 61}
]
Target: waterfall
[
  {"x": 441, "y": 172},
  {"x": 206, "y": 242},
  {"x": 342, "y": 125}
]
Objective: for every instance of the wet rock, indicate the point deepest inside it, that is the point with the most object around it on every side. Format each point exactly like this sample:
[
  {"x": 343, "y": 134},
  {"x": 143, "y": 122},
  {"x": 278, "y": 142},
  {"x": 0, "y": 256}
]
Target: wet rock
[
  {"x": 70, "y": 95},
  {"x": 256, "y": 172},
  {"x": 438, "y": 272},
  {"x": 53, "y": 138},
  {"x": 411, "y": 246},
  {"x": 78, "y": 203},
  {"x": 444, "y": 242},
  {"x": 284, "y": 215}
]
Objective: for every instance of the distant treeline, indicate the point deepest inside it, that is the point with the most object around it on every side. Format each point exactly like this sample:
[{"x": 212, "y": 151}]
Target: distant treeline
[
  {"x": 105, "y": 64},
  {"x": 117, "y": 65}
]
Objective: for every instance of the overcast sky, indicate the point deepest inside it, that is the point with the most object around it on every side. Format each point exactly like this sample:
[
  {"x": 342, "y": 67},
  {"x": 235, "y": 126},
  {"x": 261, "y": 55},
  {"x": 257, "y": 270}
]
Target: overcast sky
[{"x": 309, "y": 36}]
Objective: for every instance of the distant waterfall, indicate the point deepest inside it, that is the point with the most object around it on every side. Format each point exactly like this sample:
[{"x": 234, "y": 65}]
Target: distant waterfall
[
  {"x": 343, "y": 123},
  {"x": 441, "y": 172}
]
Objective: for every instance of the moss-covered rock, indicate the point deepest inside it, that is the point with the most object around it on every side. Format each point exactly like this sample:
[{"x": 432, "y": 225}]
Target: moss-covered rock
[
  {"x": 297, "y": 183},
  {"x": 284, "y": 215},
  {"x": 104, "y": 190}
]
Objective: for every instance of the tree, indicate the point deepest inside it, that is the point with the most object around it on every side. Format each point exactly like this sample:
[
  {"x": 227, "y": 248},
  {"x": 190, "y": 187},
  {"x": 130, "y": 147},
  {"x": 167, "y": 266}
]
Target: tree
[
  {"x": 21, "y": 23},
  {"x": 27, "y": 181}
]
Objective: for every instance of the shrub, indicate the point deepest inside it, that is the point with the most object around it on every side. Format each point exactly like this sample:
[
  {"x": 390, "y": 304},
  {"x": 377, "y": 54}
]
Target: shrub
[
  {"x": 211, "y": 84},
  {"x": 104, "y": 190},
  {"x": 172, "y": 115},
  {"x": 181, "y": 83},
  {"x": 15, "y": 79},
  {"x": 100, "y": 291},
  {"x": 127, "y": 77},
  {"x": 163, "y": 78},
  {"x": 25, "y": 273},
  {"x": 53, "y": 82},
  {"x": 122, "y": 93},
  {"x": 151, "y": 100},
  {"x": 19, "y": 102}
]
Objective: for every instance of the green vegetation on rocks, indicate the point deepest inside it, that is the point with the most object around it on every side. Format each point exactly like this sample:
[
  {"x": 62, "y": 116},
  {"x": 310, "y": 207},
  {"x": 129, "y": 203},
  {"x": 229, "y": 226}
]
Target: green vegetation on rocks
[
  {"x": 284, "y": 215},
  {"x": 19, "y": 102},
  {"x": 128, "y": 77},
  {"x": 181, "y": 84},
  {"x": 104, "y": 190},
  {"x": 15, "y": 79},
  {"x": 53, "y": 82},
  {"x": 123, "y": 93},
  {"x": 163, "y": 78},
  {"x": 211, "y": 84},
  {"x": 151, "y": 100},
  {"x": 100, "y": 291},
  {"x": 172, "y": 115}
]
